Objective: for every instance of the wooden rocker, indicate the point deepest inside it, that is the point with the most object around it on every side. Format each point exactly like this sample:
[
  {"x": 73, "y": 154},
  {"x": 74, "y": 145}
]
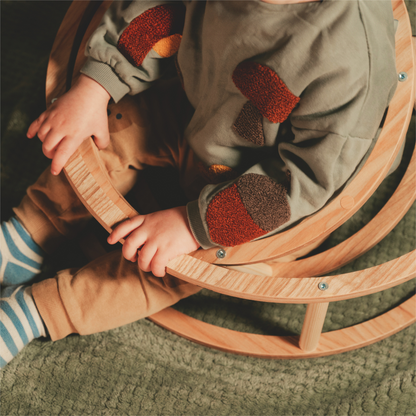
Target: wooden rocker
[{"x": 267, "y": 270}]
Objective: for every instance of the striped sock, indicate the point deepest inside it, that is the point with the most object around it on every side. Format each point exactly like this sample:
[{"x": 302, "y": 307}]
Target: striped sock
[
  {"x": 20, "y": 257},
  {"x": 20, "y": 321}
]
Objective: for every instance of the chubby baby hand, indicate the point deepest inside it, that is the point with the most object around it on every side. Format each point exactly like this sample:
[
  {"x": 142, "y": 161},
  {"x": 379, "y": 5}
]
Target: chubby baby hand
[
  {"x": 154, "y": 239},
  {"x": 74, "y": 117}
]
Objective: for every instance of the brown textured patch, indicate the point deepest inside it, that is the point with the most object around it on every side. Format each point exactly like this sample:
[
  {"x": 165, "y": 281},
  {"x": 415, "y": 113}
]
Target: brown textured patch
[
  {"x": 167, "y": 47},
  {"x": 148, "y": 29},
  {"x": 249, "y": 124},
  {"x": 228, "y": 221},
  {"x": 263, "y": 87},
  {"x": 265, "y": 200}
]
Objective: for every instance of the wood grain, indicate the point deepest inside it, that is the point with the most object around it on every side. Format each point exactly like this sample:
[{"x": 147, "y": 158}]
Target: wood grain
[
  {"x": 312, "y": 326},
  {"x": 287, "y": 347},
  {"x": 294, "y": 290}
]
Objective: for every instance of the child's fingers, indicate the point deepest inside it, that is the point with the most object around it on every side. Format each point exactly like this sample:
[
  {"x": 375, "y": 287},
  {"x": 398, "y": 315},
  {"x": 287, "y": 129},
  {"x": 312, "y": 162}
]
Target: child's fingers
[
  {"x": 66, "y": 147},
  {"x": 43, "y": 131},
  {"x": 34, "y": 127},
  {"x": 158, "y": 265},
  {"x": 125, "y": 228},
  {"x": 102, "y": 140},
  {"x": 145, "y": 257},
  {"x": 132, "y": 243},
  {"x": 50, "y": 143}
]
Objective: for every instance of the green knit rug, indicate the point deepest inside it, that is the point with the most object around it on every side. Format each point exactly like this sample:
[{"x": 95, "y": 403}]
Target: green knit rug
[{"x": 141, "y": 369}]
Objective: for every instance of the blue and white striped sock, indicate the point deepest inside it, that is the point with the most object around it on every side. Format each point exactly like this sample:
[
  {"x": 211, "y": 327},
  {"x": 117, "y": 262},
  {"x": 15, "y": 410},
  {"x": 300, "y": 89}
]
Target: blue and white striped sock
[
  {"x": 20, "y": 257},
  {"x": 20, "y": 321}
]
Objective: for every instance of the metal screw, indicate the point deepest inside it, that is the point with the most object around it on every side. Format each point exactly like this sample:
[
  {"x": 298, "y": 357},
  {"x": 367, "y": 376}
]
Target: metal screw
[
  {"x": 323, "y": 286},
  {"x": 402, "y": 76},
  {"x": 221, "y": 253}
]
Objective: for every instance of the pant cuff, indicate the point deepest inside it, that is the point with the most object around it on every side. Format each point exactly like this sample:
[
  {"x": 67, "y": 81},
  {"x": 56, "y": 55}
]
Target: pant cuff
[
  {"x": 51, "y": 309},
  {"x": 40, "y": 228}
]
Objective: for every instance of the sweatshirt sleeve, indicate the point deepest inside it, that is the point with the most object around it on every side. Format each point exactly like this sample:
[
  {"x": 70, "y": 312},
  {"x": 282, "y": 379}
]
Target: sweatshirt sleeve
[
  {"x": 134, "y": 45},
  {"x": 331, "y": 106}
]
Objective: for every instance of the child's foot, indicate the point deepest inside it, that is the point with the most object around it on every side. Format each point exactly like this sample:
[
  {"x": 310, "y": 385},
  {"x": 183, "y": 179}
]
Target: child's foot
[
  {"x": 20, "y": 257},
  {"x": 20, "y": 322}
]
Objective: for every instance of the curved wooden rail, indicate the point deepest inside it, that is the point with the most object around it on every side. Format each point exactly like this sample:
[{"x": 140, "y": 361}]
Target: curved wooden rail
[
  {"x": 287, "y": 347},
  {"x": 92, "y": 184},
  {"x": 296, "y": 290}
]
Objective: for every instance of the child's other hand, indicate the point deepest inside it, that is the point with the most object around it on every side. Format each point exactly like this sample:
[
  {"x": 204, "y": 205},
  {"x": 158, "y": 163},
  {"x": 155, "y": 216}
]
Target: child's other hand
[
  {"x": 160, "y": 236},
  {"x": 77, "y": 115}
]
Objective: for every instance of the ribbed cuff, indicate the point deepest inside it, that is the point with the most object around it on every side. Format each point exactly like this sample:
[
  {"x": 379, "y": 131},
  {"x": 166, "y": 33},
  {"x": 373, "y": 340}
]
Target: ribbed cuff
[
  {"x": 51, "y": 309},
  {"x": 197, "y": 226},
  {"x": 106, "y": 77}
]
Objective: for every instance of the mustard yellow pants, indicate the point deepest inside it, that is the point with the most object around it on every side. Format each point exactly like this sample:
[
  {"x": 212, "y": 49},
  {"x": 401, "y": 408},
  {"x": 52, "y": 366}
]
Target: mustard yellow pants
[{"x": 110, "y": 292}]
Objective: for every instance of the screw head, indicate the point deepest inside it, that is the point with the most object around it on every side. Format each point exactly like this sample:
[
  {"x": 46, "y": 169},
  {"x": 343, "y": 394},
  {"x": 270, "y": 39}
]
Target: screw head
[
  {"x": 402, "y": 76},
  {"x": 323, "y": 286},
  {"x": 221, "y": 253}
]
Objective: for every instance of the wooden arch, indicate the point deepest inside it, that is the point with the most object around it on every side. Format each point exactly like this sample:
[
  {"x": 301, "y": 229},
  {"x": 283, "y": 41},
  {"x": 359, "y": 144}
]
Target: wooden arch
[{"x": 254, "y": 270}]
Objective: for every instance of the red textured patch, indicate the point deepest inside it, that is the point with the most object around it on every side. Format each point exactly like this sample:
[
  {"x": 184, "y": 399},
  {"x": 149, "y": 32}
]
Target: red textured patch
[
  {"x": 149, "y": 28},
  {"x": 228, "y": 221},
  {"x": 265, "y": 90}
]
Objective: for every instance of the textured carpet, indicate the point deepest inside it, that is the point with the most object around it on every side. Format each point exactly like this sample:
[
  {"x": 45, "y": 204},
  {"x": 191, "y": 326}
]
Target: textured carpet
[{"x": 141, "y": 369}]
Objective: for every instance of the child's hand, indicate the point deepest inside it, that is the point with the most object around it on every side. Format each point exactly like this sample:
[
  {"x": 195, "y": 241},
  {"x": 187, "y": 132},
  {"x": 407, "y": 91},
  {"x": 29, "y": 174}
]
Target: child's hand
[
  {"x": 160, "y": 236},
  {"x": 77, "y": 115}
]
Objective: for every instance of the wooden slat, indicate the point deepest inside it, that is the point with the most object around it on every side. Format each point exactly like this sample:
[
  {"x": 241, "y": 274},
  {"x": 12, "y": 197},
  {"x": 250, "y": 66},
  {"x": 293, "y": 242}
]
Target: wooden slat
[
  {"x": 312, "y": 326},
  {"x": 300, "y": 290},
  {"x": 287, "y": 347},
  {"x": 92, "y": 185}
]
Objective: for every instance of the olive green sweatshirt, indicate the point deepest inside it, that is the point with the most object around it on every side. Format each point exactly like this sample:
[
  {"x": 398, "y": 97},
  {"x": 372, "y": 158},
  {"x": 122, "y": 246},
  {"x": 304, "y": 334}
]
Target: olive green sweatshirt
[{"x": 288, "y": 98}]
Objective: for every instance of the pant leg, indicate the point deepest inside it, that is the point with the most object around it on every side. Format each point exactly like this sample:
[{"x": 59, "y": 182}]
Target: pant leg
[
  {"x": 144, "y": 130},
  {"x": 107, "y": 293},
  {"x": 111, "y": 291}
]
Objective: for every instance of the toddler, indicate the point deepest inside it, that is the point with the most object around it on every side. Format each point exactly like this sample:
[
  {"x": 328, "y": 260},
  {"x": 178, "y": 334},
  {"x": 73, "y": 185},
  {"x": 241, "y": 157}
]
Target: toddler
[{"x": 266, "y": 109}]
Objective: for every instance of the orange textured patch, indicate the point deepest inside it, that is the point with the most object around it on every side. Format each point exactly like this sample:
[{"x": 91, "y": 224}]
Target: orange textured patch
[
  {"x": 217, "y": 173},
  {"x": 263, "y": 87},
  {"x": 228, "y": 221},
  {"x": 167, "y": 47},
  {"x": 148, "y": 29}
]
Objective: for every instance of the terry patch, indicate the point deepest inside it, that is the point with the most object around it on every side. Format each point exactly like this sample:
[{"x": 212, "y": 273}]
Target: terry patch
[
  {"x": 167, "y": 47},
  {"x": 228, "y": 221},
  {"x": 249, "y": 124},
  {"x": 217, "y": 173},
  {"x": 148, "y": 29},
  {"x": 265, "y": 200},
  {"x": 250, "y": 208},
  {"x": 263, "y": 87}
]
